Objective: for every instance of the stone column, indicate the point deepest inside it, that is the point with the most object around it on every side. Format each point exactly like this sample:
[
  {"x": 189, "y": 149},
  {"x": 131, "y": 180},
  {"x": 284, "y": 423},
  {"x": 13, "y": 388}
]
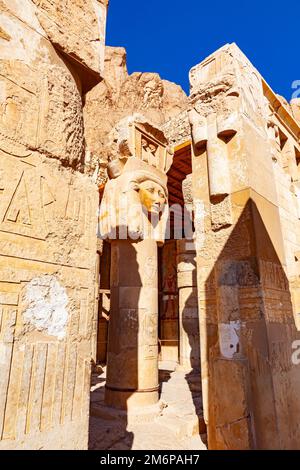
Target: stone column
[
  {"x": 132, "y": 367},
  {"x": 133, "y": 217},
  {"x": 189, "y": 341}
]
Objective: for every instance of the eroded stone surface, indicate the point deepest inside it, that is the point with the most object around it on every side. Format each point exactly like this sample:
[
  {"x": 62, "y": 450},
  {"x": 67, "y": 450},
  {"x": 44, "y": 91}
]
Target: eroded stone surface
[
  {"x": 47, "y": 233},
  {"x": 46, "y": 306},
  {"x": 82, "y": 39},
  {"x": 133, "y": 217},
  {"x": 238, "y": 282},
  {"x": 120, "y": 95},
  {"x": 245, "y": 171}
]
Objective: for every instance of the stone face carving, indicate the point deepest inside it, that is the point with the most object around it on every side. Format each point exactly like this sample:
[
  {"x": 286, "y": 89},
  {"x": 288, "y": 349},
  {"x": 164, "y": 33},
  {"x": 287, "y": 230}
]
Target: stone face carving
[
  {"x": 214, "y": 120},
  {"x": 209, "y": 134},
  {"x": 226, "y": 112},
  {"x": 152, "y": 196},
  {"x": 129, "y": 199},
  {"x": 134, "y": 203},
  {"x": 248, "y": 256},
  {"x": 246, "y": 156},
  {"x": 225, "y": 88}
]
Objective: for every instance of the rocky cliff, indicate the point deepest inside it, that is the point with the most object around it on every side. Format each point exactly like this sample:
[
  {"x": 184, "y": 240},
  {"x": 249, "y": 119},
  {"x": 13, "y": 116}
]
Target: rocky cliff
[{"x": 121, "y": 94}]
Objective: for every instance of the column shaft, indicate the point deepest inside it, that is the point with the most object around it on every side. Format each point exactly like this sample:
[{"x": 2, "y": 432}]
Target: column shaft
[
  {"x": 132, "y": 367},
  {"x": 189, "y": 348}
]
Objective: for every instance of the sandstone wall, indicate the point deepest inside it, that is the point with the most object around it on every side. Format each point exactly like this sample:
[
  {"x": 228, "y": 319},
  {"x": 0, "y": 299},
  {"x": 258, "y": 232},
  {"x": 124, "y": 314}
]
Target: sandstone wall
[
  {"x": 295, "y": 105},
  {"x": 245, "y": 175},
  {"x": 48, "y": 221}
]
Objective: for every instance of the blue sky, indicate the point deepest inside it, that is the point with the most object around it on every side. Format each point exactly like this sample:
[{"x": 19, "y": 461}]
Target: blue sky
[{"x": 170, "y": 36}]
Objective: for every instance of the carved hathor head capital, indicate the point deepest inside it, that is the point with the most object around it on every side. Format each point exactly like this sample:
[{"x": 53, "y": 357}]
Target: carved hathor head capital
[
  {"x": 135, "y": 199},
  {"x": 135, "y": 204}
]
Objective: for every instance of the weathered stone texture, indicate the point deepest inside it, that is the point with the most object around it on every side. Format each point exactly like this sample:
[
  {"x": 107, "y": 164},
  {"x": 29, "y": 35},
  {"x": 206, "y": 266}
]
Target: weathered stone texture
[
  {"x": 120, "y": 95},
  {"x": 247, "y": 227},
  {"x": 64, "y": 107},
  {"x": 177, "y": 130},
  {"x": 133, "y": 217},
  {"x": 77, "y": 27},
  {"x": 47, "y": 271},
  {"x": 39, "y": 112},
  {"x": 47, "y": 233}
]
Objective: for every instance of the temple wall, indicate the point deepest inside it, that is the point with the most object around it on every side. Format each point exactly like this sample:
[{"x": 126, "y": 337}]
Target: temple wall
[
  {"x": 247, "y": 233},
  {"x": 48, "y": 222}
]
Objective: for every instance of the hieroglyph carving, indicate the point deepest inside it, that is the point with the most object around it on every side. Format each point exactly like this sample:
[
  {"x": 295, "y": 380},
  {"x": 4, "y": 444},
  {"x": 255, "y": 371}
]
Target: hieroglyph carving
[
  {"x": 37, "y": 112},
  {"x": 19, "y": 109},
  {"x": 35, "y": 212}
]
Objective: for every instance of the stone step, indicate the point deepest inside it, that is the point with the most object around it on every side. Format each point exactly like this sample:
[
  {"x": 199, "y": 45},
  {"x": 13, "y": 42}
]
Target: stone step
[{"x": 183, "y": 426}]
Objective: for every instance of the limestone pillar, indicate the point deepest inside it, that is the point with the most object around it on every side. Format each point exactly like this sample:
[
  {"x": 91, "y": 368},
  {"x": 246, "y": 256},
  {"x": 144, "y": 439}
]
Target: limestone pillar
[
  {"x": 189, "y": 343},
  {"x": 244, "y": 254},
  {"x": 133, "y": 217},
  {"x": 132, "y": 367}
]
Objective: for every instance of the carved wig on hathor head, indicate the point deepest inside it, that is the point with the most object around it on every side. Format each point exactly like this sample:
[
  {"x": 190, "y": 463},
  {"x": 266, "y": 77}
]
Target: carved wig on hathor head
[{"x": 135, "y": 200}]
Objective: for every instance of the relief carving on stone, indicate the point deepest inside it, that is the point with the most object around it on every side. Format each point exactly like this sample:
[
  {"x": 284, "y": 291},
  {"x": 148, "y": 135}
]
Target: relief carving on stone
[
  {"x": 227, "y": 84},
  {"x": 134, "y": 203},
  {"x": 214, "y": 116},
  {"x": 19, "y": 109},
  {"x": 211, "y": 130},
  {"x": 224, "y": 90},
  {"x": 39, "y": 113}
]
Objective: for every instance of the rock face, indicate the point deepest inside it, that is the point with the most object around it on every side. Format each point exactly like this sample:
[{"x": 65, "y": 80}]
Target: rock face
[
  {"x": 77, "y": 28},
  {"x": 120, "y": 95},
  {"x": 48, "y": 222}
]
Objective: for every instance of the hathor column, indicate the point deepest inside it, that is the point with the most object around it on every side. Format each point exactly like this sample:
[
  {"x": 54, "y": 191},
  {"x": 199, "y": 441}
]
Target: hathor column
[{"x": 133, "y": 218}]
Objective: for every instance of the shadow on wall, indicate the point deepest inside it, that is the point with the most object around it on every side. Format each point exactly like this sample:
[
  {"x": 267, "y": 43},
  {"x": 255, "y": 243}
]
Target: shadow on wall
[{"x": 252, "y": 387}]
